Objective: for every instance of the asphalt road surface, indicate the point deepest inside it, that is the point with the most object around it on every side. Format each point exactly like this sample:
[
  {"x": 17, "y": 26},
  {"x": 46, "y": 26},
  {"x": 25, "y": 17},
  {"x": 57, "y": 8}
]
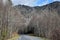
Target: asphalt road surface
[{"x": 27, "y": 37}]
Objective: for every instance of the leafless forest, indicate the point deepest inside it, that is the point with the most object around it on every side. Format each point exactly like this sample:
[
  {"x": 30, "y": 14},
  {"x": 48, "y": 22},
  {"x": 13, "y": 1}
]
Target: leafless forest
[
  {"x": 9, "y": 20},
  {"x": 43, "y": 22}
]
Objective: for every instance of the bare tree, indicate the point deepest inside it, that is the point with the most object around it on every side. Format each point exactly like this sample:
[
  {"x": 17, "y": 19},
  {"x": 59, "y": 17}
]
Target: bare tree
[{"x": 11, "y": 19}]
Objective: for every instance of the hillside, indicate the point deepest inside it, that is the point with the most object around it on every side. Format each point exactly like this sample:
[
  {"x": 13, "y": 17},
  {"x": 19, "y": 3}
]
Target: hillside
[{"x": 27, "y": 11}]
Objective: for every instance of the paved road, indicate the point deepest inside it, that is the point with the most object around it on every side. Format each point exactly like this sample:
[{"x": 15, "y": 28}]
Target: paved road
[{"x": 26, "y": 37}]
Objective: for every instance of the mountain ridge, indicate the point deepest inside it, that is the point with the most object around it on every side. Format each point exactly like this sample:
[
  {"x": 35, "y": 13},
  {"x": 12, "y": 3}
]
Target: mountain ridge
[{"x": 27, "y": 10}]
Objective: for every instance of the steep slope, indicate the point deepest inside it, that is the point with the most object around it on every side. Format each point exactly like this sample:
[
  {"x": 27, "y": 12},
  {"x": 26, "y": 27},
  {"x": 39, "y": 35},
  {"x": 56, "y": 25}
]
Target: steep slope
[
  {"x": 50, "y": 7},
  {"x": 44, "y": 19},
  {"x": 25, "y": 10}
]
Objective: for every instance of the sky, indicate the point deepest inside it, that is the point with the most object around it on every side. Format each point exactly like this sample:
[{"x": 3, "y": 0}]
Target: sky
[{"x": 32, "y": 2}]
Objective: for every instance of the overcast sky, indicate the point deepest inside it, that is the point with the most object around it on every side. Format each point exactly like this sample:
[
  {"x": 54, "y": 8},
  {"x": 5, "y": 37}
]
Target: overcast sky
[{"x": 33, "y": 2}]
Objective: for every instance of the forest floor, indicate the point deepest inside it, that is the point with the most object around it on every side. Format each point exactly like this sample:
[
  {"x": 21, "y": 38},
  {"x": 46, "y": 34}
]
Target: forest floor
[{"x": 14, "y": 36}]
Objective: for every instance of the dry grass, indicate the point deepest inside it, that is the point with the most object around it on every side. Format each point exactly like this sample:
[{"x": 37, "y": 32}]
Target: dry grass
[{"x": 15, "y": 36}]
